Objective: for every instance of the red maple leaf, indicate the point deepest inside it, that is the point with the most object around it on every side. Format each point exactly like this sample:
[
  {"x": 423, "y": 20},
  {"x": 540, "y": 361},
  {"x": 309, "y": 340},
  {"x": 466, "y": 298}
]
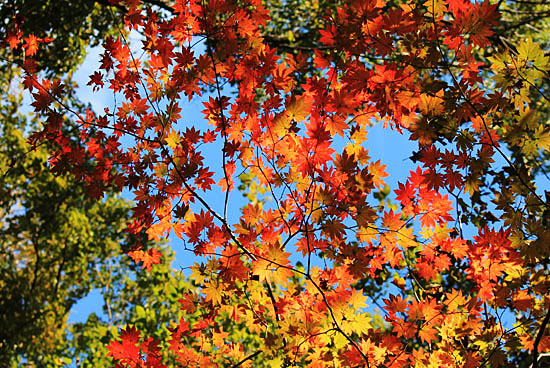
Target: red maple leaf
[
  {"x": 31, "y": 45},
  {"x": 127, "y": 350}
]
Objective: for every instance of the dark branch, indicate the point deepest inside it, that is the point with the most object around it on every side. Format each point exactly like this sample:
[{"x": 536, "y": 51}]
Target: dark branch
[
  {"x": 539, "y": 338},
  {"x": 252, "y": 356}
]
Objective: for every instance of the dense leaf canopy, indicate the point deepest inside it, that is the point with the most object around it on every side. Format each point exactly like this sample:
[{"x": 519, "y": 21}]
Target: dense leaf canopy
[{"x": 455, "y": 256}]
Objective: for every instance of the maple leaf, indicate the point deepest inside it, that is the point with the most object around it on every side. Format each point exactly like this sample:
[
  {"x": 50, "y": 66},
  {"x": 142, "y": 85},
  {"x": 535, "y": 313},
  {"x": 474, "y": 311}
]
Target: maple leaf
[
  {"x": 42, "y": 100},
  {"x": 395, "y": 304},
  {"x": 426, "y": 270},
  {"x": 31, "y": 45},
  {"x": 213, "y": 292},
  {"x": 327, "y": 35},
  {"x": 378, "y": 172},
  {"x": 127, "y": 350},
  {"x": 485, "y": 15},
  {"x": 459, "y": 7},
  {"x": 427, "y": 334},
  {"x": 432, "y": 105},
  {"x": 274, "y": 266},
  {"x": 149, "y": 257},
  {"x": 96, "y": 79},
  {"x": 13, "y": 39}
]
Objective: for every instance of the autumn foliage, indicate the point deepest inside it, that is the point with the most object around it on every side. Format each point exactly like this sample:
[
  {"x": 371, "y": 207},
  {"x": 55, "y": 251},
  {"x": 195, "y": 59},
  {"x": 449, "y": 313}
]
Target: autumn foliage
[{"x": 455, "y": 256}]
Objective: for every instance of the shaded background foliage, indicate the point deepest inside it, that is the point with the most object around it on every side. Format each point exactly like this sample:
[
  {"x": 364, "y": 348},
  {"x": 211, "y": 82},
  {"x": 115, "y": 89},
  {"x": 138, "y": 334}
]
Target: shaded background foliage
[
  {"x": 56, "y": 246},
  {"x": 75, "y": 25}
]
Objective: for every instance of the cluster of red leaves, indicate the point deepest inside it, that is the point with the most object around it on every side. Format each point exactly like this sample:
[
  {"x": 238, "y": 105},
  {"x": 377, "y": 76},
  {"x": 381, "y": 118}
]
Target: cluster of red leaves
[
  {"x": 135, "y": 352},
  {"x": 16, "y": 41},
  {"x": 377, "y": 63}
]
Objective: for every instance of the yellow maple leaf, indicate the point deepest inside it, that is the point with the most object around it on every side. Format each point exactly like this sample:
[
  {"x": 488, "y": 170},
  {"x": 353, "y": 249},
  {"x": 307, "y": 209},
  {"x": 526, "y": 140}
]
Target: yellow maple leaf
[
  {"x": 272, "y": 268},
  {"x": 298, "y": 108},
  {"x": 213, "y": 292},
  {"x": 436, "y": 8},
  {"x": 173, "y": 139}
]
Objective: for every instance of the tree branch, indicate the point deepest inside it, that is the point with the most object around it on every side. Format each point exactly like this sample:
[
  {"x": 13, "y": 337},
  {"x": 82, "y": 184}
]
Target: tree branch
[
  {"x": 540, "y": 334},
  {"x": 251, "y": 356}
]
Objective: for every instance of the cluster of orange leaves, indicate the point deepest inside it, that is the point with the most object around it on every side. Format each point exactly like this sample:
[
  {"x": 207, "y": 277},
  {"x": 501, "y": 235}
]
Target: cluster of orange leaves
[{"x": 304, "y": 141}]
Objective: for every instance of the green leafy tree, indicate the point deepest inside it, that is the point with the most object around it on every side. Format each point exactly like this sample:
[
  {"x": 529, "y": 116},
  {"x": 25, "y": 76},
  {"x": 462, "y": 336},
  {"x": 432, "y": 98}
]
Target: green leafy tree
[
  {"x": 56, "y": 246},
  {"x": 132, "y": 296},
  {"x": 54, "y": 243}
]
